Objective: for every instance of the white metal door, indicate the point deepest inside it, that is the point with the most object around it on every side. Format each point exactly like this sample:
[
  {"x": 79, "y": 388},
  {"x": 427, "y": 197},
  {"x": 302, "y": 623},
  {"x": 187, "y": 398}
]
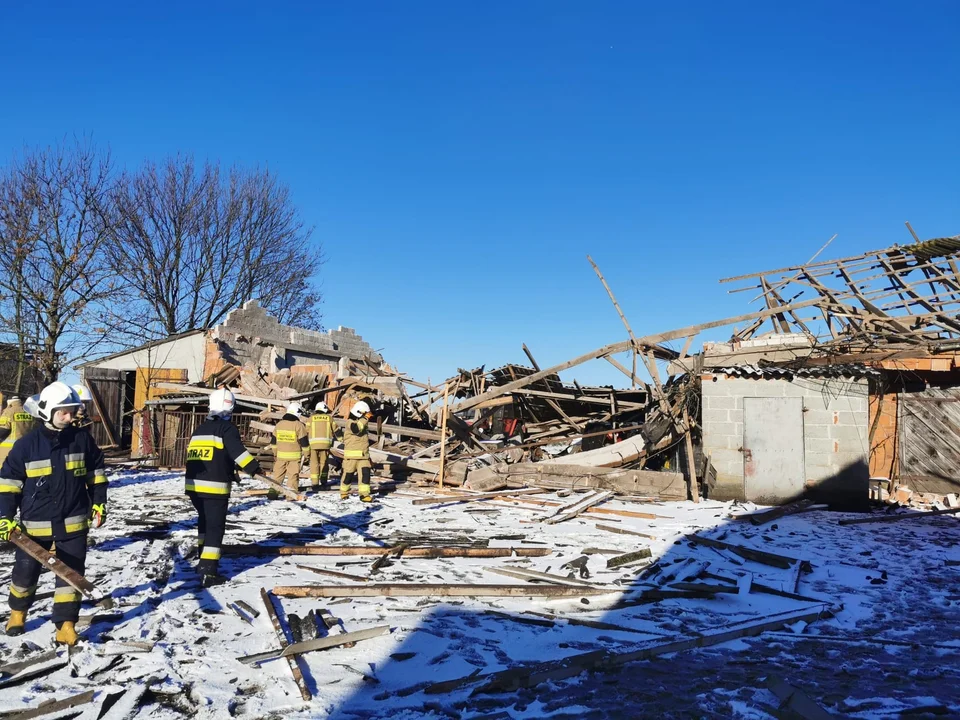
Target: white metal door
[{"x": 772, "y": 449}]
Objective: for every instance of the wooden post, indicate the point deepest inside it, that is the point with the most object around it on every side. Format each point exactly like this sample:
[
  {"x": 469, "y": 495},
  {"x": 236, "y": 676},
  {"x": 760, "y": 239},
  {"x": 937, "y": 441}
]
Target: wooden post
[
  {"x": 443, "y": 434},
  {"x": 691, "y": 460}
]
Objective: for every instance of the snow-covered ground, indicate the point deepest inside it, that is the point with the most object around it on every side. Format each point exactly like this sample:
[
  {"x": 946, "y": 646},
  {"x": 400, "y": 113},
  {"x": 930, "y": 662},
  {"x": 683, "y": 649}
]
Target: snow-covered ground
[{"x": 170, "y": 647}]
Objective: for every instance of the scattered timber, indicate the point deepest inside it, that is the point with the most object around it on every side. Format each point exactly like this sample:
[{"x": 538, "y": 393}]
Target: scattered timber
[
  {"x": 436, "y": 590},
  {"x": 413, "y": 552},
  {"x": 529, "y": 676}
]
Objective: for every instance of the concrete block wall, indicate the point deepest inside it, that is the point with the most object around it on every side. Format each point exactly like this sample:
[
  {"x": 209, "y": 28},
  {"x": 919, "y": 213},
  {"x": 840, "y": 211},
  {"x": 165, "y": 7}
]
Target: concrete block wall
[
  {"x": 252, "y": 321},
  {"x": 835, "y": 424}
]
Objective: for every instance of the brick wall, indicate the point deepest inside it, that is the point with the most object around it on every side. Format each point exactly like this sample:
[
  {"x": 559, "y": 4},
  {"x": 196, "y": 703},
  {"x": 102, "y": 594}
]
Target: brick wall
[{"x": 835, "y": 424}]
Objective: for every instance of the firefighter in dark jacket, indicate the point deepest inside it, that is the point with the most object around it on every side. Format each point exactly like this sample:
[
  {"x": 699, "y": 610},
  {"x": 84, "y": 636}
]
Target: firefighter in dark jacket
[
  {"x": 55, "y": 476},
  {"x": 214, "y": 453}
]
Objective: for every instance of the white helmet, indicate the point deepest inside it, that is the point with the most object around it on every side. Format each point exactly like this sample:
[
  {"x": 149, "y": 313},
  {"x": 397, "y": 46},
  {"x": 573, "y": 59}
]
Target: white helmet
[
  {"x": 295, "y": 408},
  {"x": 359, "y": 409},
  {"x": 83, "y": 392},
  {"x": 322, "y": 407},
  {"x": 222, "y": 402},
  {"x": 53, "y": 397}
]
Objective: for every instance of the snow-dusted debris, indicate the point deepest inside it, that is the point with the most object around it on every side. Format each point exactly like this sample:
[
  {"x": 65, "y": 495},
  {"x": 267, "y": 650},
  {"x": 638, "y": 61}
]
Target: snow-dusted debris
[{"x": 170, "y": 648}]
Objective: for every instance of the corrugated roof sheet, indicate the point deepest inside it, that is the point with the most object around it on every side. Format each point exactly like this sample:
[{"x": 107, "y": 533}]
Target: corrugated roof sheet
[{"x": 781, "y": 373}]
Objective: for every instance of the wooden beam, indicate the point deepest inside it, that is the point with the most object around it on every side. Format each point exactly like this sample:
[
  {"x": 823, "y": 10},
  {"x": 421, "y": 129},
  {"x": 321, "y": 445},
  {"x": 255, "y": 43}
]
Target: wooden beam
[
  {"x": 477, "y": 496},
  {"x": 436, "y": 590},
  {"x": 621, "y": 347},
  {"x": 574, "y": 509},
  {"x": 324, "y": 643},
  {"x": 524, "y": 574},
  {"x": 293, "y": 662},
  {"x": 414, "y": 552}
]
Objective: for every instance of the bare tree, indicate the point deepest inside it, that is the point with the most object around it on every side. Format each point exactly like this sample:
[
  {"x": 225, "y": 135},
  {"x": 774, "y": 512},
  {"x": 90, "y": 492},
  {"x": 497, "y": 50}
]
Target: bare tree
[
  {"x": 55, "y": 218},
  {"x": 194, "y": 243}
]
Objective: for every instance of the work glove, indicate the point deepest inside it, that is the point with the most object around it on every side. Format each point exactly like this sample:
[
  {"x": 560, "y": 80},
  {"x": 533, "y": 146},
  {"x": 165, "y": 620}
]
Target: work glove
[
  {"x": 98, "y": 514},
  {"x": 7, "y": 526}
]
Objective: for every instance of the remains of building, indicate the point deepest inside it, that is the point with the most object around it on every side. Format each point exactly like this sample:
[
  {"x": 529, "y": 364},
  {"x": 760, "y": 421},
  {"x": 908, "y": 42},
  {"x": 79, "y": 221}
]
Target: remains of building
[
  {"x": 840, "y": 389},
  {"x": 848, "y": 373}
]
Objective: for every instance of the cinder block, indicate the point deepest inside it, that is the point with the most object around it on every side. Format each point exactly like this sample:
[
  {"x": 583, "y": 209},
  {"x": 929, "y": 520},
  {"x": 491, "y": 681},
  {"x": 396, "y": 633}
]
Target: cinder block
[
  {"x": 816, "y": 432},
  {"x": 725, "y": 455},
  {"x": 711, "y": 417},
  {"x": 821, "y": 446},
  {"x": 721, "y": 403},
  {"x": 851, "y": 433},
  {"x": 818, "y": 417},
  {"x": 736, "y": 416}
]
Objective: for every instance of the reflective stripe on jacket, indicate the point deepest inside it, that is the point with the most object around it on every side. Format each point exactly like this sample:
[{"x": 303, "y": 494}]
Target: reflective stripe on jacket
[
  {"x": 321, "y": 431},
  {"x": 290, "y": 438},
  {"x": 356, "y": 442},
  {"x": 53, "y": 478},
  {"x": 214, "y": 453}
]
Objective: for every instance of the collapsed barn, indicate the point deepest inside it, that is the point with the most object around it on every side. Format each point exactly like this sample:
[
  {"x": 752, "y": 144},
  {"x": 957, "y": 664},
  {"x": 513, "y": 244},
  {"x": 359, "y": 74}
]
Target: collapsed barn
[{"x": 846, "y": 374}]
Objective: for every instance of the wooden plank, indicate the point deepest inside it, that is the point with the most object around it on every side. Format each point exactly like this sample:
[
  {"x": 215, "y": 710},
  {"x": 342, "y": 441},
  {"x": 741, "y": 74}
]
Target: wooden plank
[
  {"x": 443, "y": 438},
  {"x": 779, "y": 561},
  {"x": 13, "y": 668},
  {"x": 478, "y": 496},
  {"x": 413, "y": 552},
  {"x": 794, "y": 700},
  {"x": 692, "y": 487},
  {"x": 571, "y": 511},
  {"x": 437, "y": 590},
  {"x": 324, "y": 643},
  {"x": 334, "y": 573},
  {"x": 293, "y": 662},
  {"x": 51, "y": 562},
  {"x": 622, "y": 531},
  {"x": 280, "y": 488},
  {"x": 898, "y": 517},
  {"x": 629, "y": 557},
  {"x": 52, "y": 707},
  {"x": 524, "y": 574}
]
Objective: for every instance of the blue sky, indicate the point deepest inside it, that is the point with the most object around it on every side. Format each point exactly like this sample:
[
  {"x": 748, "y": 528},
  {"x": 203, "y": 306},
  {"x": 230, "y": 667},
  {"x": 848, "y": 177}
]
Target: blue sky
[{"x": 459, "y": 160}]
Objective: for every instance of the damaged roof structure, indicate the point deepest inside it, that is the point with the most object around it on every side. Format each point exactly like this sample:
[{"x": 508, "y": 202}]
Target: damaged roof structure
[{"x": 811, "y": 395}]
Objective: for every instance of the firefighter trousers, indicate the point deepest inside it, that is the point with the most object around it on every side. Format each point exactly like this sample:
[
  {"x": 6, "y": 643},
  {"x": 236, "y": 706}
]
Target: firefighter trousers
[
  {"x": 350, "y": 471},
  {"x": 211, "y": 525},
  {"x": 318, "y": 466},
  {"x": 289, "y": 469},
  {"x": 72, "y": 552}
]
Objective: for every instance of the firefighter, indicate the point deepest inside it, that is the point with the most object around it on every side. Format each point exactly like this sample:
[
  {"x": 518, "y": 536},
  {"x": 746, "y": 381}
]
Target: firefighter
[
  {"x": 55, "y": 476},
  {"x": 321, "y": 439},
  {"x": 15, "y": 422},
  {"x": 214, "y": 453},
  {"x": 290, "y": 446},
  {"x": 84, "y": 418},
  {"x": 356, "y": 452}
]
